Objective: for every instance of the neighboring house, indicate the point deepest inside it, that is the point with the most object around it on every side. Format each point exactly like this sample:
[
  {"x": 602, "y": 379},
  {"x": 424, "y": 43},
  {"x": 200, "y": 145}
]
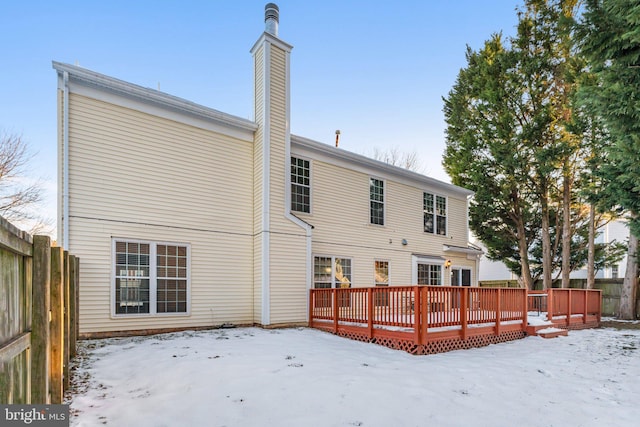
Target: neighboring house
[
  {"x": 184, "y": 216},
  {"x": 612, "y": 231}
]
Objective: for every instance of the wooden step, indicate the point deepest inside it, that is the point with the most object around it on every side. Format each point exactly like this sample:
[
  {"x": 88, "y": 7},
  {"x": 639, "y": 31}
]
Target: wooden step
[{"x": 546, "y": 331}]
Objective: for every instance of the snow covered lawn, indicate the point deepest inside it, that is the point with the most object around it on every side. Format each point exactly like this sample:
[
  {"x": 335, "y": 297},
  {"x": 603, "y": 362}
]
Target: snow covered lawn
[{"x": 302, "y": 377}]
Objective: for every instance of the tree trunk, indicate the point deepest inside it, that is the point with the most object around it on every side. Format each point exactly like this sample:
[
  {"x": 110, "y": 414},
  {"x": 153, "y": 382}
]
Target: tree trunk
[
  {"x": 630, "y": 284},
  {"x": 566, "y": 231},
  {"x": 523, "y": 249},
  {"x": 591, "y": 251},
  {"x": 546, "y": 242}
]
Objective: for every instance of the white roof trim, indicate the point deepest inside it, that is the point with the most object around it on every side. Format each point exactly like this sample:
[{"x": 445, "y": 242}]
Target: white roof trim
[
  {"x": 463, "y": 250},
  {"x": 147, "y": 95},
  {"x": 374, "y": 166}
]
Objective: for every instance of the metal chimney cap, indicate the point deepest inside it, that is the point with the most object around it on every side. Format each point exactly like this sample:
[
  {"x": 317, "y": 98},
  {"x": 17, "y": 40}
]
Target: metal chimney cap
[{"x": 271, "y": 11}]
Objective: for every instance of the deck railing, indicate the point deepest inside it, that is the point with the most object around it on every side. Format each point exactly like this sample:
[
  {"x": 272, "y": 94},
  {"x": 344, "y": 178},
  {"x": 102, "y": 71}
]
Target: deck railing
[
  {"x": 568, "y": 307},
  {"x": 420, "y": 314}
]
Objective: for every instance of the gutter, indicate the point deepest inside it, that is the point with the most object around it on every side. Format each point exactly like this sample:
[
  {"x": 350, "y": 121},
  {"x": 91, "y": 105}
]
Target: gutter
[{"x": 65, "y": 162}]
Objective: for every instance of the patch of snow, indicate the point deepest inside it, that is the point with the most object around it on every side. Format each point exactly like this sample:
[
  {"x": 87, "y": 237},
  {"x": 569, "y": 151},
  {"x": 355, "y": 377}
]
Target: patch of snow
[{"x": 251, "y": 377}]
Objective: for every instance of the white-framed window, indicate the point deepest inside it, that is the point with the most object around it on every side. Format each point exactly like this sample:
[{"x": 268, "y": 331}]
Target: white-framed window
[
  {"x": 614, "y": 271},
  {"x": 150, "y": 277},
  {"x": 460, "y": 276},
  {"x": 429, "y": 274},
  {"x": 435, "y": 214},
  {"x": 300, "y": 185},
  {"x": 331, "y": 272},
  {"x": 381, "y": 273},
  {"x": 376, "y": 201}
]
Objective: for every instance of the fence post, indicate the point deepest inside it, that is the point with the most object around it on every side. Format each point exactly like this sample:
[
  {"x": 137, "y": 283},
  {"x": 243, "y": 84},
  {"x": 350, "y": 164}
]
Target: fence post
[
  {"x": 56, "y": 328},
  {"x": 73, "y": 318},
  {"x": 65, "y": 325},
  {"x": 498, "y": 310},
  {"x": 40, "y": 320}
]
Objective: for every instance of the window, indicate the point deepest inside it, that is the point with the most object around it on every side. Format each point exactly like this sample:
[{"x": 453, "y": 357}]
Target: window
[
  {"x": 381, "y": 278},
  {"x": 460, "y": 277},
  {"x": 331, "y": 272},
  {"x": 376, "y": 197},
  {"x": 151, "y": 278},
  {"x": 435, "y": 214},
  {"x": 429, "y": 274},
  {"x": 300, "y": 185},
  {"x": 381, "y": 273},
  {"x": 614, "y": 272}
]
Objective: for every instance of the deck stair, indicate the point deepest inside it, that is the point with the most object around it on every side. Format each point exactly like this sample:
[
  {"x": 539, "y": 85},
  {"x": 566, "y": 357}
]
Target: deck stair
[{"x": 545, "y": 330}]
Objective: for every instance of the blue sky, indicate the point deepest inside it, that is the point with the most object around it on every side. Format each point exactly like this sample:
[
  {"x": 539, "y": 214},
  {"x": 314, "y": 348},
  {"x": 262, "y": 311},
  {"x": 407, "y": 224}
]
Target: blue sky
[{"x": 376, "y": 70}]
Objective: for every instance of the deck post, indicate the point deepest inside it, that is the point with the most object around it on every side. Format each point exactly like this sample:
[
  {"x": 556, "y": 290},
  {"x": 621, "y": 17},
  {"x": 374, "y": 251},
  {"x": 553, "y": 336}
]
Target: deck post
[
  {"x": 425, "y": 311},
  {"x": 370, "y": 312},
  {"x": 334, "y": 293},
  {"x": 586, "y": 306},
  {"x": 417, "y": 315},
  {"x": 525, "y": 311},
  {"x": 568, "y": 307},
  {"x": 550, "y": 305},
  {"x": 310, "y": 308},
  {"x": 463, "y": 312},
  {"x": 498, "y": 310}
]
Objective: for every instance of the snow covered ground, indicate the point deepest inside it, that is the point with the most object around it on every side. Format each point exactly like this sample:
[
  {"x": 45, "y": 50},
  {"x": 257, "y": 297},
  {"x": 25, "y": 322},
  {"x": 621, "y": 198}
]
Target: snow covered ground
[{"x": 302, "y": 377}]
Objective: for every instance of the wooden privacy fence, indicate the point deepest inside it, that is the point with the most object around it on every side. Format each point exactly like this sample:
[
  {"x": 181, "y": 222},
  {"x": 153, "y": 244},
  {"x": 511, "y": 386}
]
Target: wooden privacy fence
[
  {"x": 38, "y": 317},
  {"x": 421, "y": 319},
  {"x": 569, "y": 308}
]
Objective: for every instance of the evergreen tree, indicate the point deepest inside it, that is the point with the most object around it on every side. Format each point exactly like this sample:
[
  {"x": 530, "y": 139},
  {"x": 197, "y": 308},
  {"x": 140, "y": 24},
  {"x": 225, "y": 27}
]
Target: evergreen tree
[{"x": 610, "y": 39}]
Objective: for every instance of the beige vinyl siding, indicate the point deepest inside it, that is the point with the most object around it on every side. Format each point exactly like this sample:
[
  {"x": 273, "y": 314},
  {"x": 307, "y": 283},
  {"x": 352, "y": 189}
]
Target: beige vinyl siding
[
  {"x": 287, "y": 254},
  {"x": 220, "y": 288},
  {"x": 137, "y": 176},
  {"x": 288, "y": 286},
  {"x": 341, "y": 224},
  {"x": 258, "y": 183}
]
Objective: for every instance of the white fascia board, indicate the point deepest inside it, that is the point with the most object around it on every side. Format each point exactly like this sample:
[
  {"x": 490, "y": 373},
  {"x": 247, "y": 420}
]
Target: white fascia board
[
  {"x": 270, "y": 38},
  {"x": 360, "y": 163},
  {"x": 462, "y": 250},
  {"x": 119, "y": 92}
]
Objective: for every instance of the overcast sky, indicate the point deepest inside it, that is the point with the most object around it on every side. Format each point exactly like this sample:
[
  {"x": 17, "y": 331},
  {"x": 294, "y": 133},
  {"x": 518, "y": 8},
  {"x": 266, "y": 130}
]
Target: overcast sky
[{"x": 376, "y": 70}]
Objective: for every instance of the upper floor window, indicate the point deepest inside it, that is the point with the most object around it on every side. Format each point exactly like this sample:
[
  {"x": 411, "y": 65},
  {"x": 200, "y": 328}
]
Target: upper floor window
[
  {"x": 435, "y": 214},
  {"x": 300, "y": 185},
  {"x": 376, "y": 197},
  {"x": 150, "y": 278}
]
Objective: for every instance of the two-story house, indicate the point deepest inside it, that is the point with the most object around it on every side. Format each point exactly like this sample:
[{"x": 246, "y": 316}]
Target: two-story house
[{"x": 184, "y": 216}]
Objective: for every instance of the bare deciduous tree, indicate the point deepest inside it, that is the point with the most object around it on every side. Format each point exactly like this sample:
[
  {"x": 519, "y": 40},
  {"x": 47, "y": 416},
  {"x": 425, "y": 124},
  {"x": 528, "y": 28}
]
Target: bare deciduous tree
[
  {"x": 19, "y": 196},
  {"x": 395, "y": 157}
]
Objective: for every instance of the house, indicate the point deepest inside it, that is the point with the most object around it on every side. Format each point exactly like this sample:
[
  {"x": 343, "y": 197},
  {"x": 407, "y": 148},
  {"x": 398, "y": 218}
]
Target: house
[
  {"x": 617, "y": 231},
  {"x": 184, "y": 216}
]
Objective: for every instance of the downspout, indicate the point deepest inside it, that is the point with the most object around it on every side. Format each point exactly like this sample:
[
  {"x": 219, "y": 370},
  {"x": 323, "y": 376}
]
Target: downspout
[{"x": 65, "y": 161}]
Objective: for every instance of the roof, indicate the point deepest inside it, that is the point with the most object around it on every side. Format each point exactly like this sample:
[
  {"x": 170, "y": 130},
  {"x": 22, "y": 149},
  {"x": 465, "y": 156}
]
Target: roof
[
  {"x": 339, "y": 154},
  {"x": 154, "y": 97},
  {"x": 147, "y": 95}
]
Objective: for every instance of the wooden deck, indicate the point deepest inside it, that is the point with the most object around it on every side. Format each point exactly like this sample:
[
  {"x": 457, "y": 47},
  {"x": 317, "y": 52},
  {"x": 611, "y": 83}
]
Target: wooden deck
[{"x": 435, "y": 319}]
